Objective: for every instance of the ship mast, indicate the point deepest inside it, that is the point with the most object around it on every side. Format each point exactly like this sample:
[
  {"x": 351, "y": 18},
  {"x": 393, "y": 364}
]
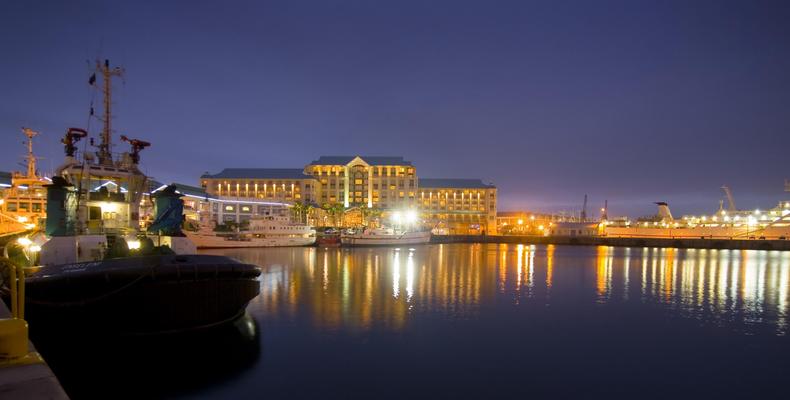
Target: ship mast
[
  {"x": 31, "y": 159},
  {"x": 105, "y": 150}
]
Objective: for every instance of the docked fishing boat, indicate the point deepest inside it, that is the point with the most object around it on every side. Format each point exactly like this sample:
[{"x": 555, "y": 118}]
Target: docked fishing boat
[
  {"x": 384, "y": 237},
  {"x": 98, "y": 267},
  {"x": 268, "y": 230},
  {"x": 22, "y": 195}
]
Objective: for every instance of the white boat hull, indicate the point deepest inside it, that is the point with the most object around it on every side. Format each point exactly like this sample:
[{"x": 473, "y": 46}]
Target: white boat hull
[
  {"x": 203, "y": 241},
  {"x": 385, "y": 240}
]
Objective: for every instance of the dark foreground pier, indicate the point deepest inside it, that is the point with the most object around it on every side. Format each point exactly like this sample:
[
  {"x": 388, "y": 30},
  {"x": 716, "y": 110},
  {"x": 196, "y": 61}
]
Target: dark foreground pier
[
  {"x": 28, "y": 381},
  {"x": 681, "y": 243}
]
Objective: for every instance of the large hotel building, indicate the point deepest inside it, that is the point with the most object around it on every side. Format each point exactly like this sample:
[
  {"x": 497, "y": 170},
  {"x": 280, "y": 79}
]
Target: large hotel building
[{"x": 460, "y": 206}]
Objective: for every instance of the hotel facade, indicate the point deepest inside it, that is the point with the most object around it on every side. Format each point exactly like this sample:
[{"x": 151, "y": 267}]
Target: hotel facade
[{"x": 455, "y": 206}]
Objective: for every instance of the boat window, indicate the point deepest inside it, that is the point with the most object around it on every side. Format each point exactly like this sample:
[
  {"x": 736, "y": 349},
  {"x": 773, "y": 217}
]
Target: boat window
[
  {"x": 37, "y": 207},
  {"x": 24, "y": 206},
  {"x": 94, "y": 212},
  {"x": 10, "y": 206}
]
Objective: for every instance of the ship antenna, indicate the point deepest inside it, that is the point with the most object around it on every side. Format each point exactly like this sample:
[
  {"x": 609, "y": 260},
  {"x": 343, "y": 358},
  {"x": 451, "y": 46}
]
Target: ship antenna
[
  {"x": 31, "y": 159},
  {"x": 105, "y": 151}
]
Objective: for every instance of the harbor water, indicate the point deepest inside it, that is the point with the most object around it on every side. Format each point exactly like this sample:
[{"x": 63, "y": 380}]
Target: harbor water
[{"x": 468, "y": 321}]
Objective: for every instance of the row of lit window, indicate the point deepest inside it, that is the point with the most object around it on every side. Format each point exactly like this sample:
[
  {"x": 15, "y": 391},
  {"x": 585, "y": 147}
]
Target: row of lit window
[
  {"x": 13, "y": 206},
  {"x": 377, "y": 171},
  {"x": 252, "y": 183}
]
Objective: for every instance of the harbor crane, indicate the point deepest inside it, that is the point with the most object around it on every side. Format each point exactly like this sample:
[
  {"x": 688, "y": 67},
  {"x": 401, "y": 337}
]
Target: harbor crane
[
  {"x": 730, "y": 201},
  {"x": 584, "y": 210}
]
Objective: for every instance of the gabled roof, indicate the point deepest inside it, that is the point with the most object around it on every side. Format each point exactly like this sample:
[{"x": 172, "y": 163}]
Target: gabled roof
[
  {"x": 5, "y": 179},
  {"x": 259, "y": 173},
  {"x": 186, "y": 190},
  {"x": 371, "y": 160},
  {"x": 453, "y": 183},
  {"x": 192, "y": 190}
]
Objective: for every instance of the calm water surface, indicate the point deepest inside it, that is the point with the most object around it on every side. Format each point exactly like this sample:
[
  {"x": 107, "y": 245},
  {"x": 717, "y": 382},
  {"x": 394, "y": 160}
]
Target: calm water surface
[{"x": 476, "y": 321}]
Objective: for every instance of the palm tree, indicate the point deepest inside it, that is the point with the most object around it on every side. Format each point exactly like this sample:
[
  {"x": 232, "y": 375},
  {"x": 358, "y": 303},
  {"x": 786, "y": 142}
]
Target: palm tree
[
  {"x": 307, "y": 208},
  {"x": 296, "y": 211},
  {"x": 334, "y": 210},
  {"x": 374, "y": 213},
  {"x": 368, "y": 212}
]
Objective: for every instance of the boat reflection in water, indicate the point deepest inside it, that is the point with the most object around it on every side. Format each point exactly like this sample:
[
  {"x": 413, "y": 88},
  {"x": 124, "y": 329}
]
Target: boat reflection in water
[
  {"x": 361, "y": 288},
  {"x": 150, "y": 366}
]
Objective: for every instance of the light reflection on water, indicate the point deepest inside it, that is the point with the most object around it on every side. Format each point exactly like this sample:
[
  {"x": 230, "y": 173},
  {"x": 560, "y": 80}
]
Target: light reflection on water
[{"x": 362, "y": 289}]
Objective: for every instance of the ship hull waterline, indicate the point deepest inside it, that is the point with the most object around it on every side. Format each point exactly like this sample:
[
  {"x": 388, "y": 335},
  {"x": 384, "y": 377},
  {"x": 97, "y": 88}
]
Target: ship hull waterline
[
  {"x": 220, "y": 242},
  {"x": 142, "y": 295},
  {"x": 409, "y": 238}
]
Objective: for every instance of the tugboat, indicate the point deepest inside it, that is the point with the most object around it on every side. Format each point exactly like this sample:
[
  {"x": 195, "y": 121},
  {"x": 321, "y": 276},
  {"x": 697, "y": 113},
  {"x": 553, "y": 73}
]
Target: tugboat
[{"x": 99, "y": 268}]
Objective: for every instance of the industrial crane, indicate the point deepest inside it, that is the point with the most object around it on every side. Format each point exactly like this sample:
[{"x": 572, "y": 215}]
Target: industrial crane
[{"x": 730, "y": 200}]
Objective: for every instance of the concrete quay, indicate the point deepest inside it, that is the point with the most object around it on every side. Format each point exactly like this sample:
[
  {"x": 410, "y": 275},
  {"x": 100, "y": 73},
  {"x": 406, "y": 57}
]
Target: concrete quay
[
  {"x": 682, "y": 243},
  {"x": 28, "y": 381}
]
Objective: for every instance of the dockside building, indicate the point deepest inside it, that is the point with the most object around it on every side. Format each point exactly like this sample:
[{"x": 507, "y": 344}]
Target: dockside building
[{"x": 461, "y": 206}]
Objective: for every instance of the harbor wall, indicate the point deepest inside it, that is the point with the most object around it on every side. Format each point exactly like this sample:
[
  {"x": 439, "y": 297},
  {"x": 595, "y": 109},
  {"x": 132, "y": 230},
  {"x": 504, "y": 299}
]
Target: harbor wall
[
  {"x": 28, "y": 381},
  {"x": 691, "y": 243},
  {"x": 740, "y": 232}
]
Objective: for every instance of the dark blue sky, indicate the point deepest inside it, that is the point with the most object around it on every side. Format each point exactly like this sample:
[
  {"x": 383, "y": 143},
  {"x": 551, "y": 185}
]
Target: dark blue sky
[{"x": 630, "y": 101}]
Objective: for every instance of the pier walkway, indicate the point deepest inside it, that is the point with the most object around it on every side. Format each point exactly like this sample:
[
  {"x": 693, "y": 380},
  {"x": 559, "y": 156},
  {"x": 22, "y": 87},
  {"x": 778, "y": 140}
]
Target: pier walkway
[{"x": 31, "y": 381}]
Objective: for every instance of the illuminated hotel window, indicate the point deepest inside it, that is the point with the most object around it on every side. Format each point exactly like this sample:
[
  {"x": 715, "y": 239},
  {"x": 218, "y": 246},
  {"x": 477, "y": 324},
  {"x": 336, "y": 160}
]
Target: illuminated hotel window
[
  {"x": 392, "y": 187},
  {"x": 357, "y": 181},
  {"x": 229, "y": 208},
  {"x": 246, "y": 209},
  {"x": 358, "y": 194},
  {"x": 332, "y": 198},
  {"x": 401, "y": 194}
]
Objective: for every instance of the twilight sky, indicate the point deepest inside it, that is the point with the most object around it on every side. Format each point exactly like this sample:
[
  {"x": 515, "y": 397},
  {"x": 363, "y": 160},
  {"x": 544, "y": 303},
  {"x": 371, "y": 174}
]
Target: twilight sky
[{"x": 630, "y": 101}]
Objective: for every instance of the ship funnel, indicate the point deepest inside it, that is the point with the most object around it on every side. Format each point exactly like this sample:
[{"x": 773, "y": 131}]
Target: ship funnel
[{"x": 663, "y": 211}]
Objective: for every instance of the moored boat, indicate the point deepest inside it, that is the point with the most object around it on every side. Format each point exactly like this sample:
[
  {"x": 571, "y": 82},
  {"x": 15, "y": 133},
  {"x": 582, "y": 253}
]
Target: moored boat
[
  {"x": 268, "y": 230},
  {"x": 147, "y": 294},
  {"x": 384, "y": 237},
  {"x": 330, "y": 237},
  {"x": 22, "y": 195},
  {"x": 98, "y": 267}
]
